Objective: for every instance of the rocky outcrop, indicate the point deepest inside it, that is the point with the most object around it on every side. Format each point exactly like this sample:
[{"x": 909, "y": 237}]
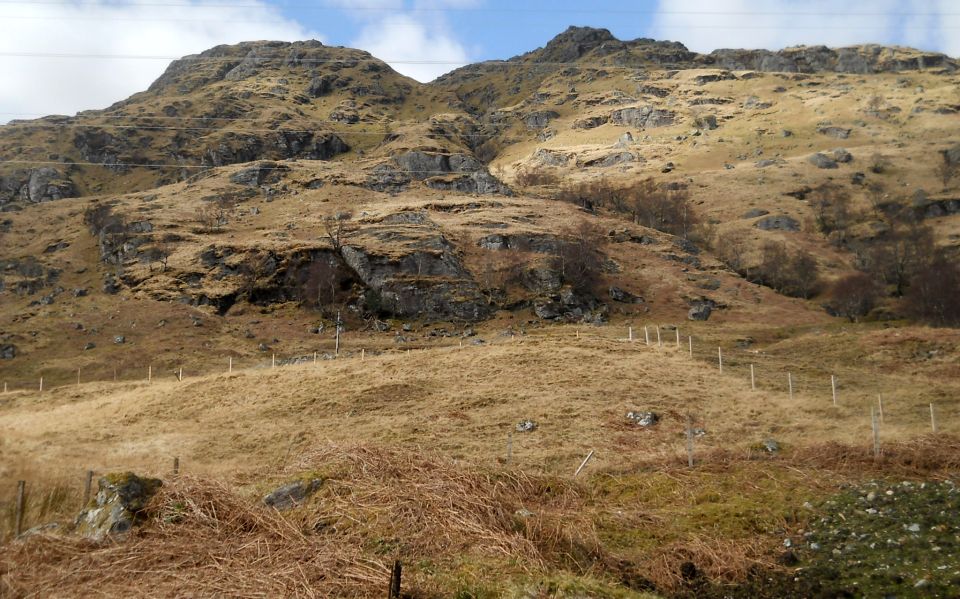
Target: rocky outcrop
[
  {"x": 480, "y": 182},
  {"x": 429, "y": 283},
  {"x": 259, "y": 174},
  {"x": 120, "y": 502},
  {"x": 700, "y": 311},
  {"x": 820, "y": 160},
  {"x": 642, "y": 117},
  {"x": 539, "y": 119},
  {"x": 42, "y": 184},
  {"x": 865, "y": 59},
  {"x": 778, "y": 223},
  {"x": 233, "y": 148},
  {"x": 423, "y": 165}
]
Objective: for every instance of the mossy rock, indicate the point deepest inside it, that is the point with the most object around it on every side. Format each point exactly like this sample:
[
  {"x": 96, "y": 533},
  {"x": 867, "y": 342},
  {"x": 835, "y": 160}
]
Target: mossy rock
[{"x": 120, "y": 500}]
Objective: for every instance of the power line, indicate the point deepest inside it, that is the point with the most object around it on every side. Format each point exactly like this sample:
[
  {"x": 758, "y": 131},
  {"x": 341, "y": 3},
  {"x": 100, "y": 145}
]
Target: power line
[{"x": 504, "y": 10}]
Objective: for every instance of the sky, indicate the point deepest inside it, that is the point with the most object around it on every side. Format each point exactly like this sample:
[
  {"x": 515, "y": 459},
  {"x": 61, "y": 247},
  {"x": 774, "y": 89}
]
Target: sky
[{"x": 63, "y": 56}]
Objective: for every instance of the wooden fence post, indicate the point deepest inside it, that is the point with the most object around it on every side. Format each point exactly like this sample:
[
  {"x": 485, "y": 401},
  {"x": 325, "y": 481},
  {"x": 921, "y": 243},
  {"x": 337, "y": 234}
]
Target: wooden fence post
[
  {"x": 18, "y": 522},
  {"x": 41, "y": 384},
  {"x": 790, "y": 384},
  {"x": 690, "y": 344},
  {"x": 273, "y": 361},
  {"x": 87, "y": 487},
  {"x": 933, "y": 419},
  {"x": 149, "y": 374},
  {"x": 646, "y": 335},
  {"x": 230, "y": 365},
  {"x": 78, "y": 377},
  {"x": 678, "y": 337},
  {"x": 833, "y": 388},
  {"x": 876, "y": 432},
  {"x": 630, "y": 334},
  {"x": 180, "y": 374},
  {"x": 659, "y": 340},
  {"x": 394, "y": 591},
  {"x": 176, "y": 466},
  {"x": 720, "y": 358},
  {"x": 753, "y": 379}
]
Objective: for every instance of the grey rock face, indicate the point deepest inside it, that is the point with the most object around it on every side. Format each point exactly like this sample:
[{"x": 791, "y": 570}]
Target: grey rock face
[
  {"x": 293, "y": 494},
  {"x": 552, "y": 157},
  {"x": 822, "y": 161},
  {"x": 46, "y": 184},
  {"x": 259, "y": 174},
  {"x": 643, "y": 117},
  {"x": 480, "y": 182},
  {"x": 778, "y": 223},
  {"x": 540, "y": 119},
  {"x": 120, "y": 500},
  {"x": 423, "y": 165}
]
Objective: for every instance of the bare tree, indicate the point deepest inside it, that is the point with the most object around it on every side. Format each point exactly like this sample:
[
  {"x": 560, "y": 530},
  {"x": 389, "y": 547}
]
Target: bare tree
[
  {"x": 338, "y": 228},
  {"x": 853, "y": 296}
]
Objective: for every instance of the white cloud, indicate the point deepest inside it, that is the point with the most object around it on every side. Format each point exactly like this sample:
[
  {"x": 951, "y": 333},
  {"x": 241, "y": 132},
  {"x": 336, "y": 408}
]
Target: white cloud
[
  {"x": 415, "y": 39},
  {"x": 412, "y": 46},
  {"x": 47, "y": 85},
  {"x": 705, "y": 25}
]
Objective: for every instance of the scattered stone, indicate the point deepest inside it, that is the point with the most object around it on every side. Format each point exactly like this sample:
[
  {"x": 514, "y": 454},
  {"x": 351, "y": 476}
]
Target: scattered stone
[
  {"x": 644, "y": 419},
  {"x": 263, "y": 347},
  {"x": 90, "y": 345},
  {"x": 771, "y": 445},
  {"x": 755, "y": 213},
  {"x": 292, "y": 495},
  {"x": 119, "y": 339},
  {"x": 842, "y": 156},
  {"x": 119, "y": 503},
  {"x": 526, "y": 426},
  {"x": 621, "y": 295},
  {"x": 8, "y": 351}
]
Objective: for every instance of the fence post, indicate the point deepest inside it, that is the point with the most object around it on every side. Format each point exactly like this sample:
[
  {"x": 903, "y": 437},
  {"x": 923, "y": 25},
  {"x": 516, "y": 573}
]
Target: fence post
[
  {"x": 394, "y": 591},
  {"x": 690, "y": 343},
  {"x": 753, "y": 379},
  {"x": 149, "y": 373},
  {"x": 78, "y": 377},
  {"x": 336, "y": 349},
  {"x": 790, "y": 383},
  {"x": 180, "y": 374},
  {"x": 833, "y": 388},
  {"x": 230, "y": 364},
  {"x": 880, "y": 401},
  {"x": 87, "y": 487},
  {"x": 659, "y": 340},
  {"x": 41, "y": 384},
  {"x": 720, "y": 358},
  {"x": 876, "y": 432},
  {"x": 176, "y": 466},
  {"x": 273, "y": 361},
  {"x": 630, "y": 334},
  {"x": 363, "y": 352},
  {"x": 678, "y": 337},
  {"x": 18, "y": 522},
  {"x": 690, "y": 441},
  {"x": 933, "y": 419},
  {"x": 646, "y": 335}
]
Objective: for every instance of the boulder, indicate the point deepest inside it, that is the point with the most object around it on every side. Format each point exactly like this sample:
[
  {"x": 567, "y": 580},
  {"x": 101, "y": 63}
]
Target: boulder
[
  {"x": 778, "y": 223},
  {"x": 47, "y": 184},
  {"x": 259, "y": 174},
  {"x": 551, "y": 157},
  {"x": 700, "y": 311},
  {"x": 120, "y": 502},
  {"x": 293, "y": 494},
  {"x": 8, "y": 351},
  {"x": 835, "y": 132},
  {"x": 822, "y": 161}
]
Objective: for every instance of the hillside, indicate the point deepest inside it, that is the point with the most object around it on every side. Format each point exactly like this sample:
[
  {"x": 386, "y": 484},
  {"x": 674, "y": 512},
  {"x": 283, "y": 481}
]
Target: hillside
[{"x": 287, "y": 262}]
